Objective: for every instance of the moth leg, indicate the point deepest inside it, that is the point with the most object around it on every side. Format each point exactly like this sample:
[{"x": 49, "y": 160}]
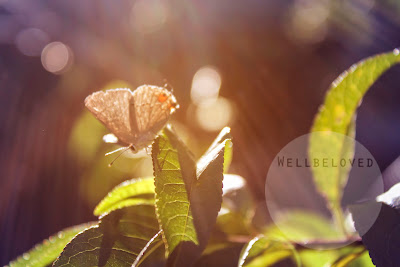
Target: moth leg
[
  {"x": 133, "y": 148},
  {"x": 124, "y": 149},
  {"x": 148, "y": 149}
]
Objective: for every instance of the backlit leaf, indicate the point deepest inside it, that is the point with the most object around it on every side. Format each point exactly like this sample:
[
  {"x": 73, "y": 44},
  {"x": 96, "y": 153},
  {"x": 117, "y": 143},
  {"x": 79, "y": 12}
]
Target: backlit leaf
[
  {"x": 128, "y": 193},
  {"x": 336, "y": 115},
  {"x": 117, "y": 240},
  {"x": 263, "y": 252},
  {"x": 226, "y": 254},
  {"x": 224, "y": 137},
  {"x": 188, "y": 196},
  {"x": 345, "y": 260},
  {"x": 354, "y": 255},
  {"x": 301, "y": 226},
  {"x": 45, "y": 253}
]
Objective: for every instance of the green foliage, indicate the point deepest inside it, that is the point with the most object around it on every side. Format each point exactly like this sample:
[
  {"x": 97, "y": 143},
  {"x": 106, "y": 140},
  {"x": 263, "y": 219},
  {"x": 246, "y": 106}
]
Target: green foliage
[
  {"x": 301, "y": 226},
  {"x": 224, "y": 137},
  {"x": 45, "y": 253},
  {"x": 129, "y": 193},
  {"x": 188, "y": 196},
  {"x": 345, "y": 260},
  {"x": 350, "y": 256},
  {"x": 263, "y": 251},
  {"x": 226, "y": 254},
  {"x": 175, "y": 218},
  {"x": 232, "y": 223},
  {"x": 337, "y": 115},
  {"x": 117, "y": 240},
  {"x": 362, "y": 261}
]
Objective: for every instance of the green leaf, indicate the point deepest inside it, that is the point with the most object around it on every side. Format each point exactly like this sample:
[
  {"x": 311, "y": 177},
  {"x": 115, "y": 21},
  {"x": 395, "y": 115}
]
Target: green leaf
[
  {"x": 263, "y": 252},
  {"x": 175, "y": 172},
  {"x": 336, "y": 115},
  {"x": 232, "y": 223},
  {"x": 312, "y": 257},
  {"x": 224, "y": 137},
  {"x": 153, "y": 244},
  {"x": 188, "y": 197},
  {"x": 347, "y": 91},
  {"x": 228, "y": 155},
  {"x": 301, "y": 226},
  {"x": 363, "y": 261},
  {"x": 226, "y": 254},
  {"x": 345, "y": 260},
  {"x": 126, "y": 194},
  {"x": 45, "y": 253},
  {"x": 117, "y": 240}
]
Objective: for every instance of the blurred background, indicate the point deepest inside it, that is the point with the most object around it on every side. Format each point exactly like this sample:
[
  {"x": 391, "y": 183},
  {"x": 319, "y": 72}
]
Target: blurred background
[{"x": 261, "y": 67}]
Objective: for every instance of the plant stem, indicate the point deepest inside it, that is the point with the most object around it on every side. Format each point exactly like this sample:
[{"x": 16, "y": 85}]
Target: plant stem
[{"x": 339, "y": 218}]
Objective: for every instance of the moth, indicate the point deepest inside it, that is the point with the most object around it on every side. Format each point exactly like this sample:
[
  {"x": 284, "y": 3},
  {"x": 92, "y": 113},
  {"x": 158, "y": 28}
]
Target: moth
[{"x": 135, "y": 118}]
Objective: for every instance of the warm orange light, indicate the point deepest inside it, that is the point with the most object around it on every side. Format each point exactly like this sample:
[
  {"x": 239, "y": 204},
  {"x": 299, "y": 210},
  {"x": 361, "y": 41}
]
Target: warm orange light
[
  {"x": 205, "y": 85},
  {"x": 307, "y": 21},
  {"x": 148, "y": 15},
  {"x": 213, "y": 115}
]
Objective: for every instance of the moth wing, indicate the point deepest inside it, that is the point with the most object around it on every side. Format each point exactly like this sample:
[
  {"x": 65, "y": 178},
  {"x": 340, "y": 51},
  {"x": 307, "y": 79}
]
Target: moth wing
[
  {"x": 151, "y": 114},
  {"x": 113, "y": 108}
]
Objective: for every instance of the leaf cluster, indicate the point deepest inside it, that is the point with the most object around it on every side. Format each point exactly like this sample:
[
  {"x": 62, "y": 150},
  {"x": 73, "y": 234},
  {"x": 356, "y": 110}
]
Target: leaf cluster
[{"x": 193, "y": 213}]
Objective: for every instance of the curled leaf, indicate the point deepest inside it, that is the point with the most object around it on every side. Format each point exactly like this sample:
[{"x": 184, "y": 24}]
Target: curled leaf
[{"x": 132, "y": 192}]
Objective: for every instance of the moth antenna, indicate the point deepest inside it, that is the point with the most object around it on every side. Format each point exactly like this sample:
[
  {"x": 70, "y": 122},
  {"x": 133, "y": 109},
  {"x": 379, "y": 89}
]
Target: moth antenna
[
  {"x": 114, "y": 151},
  {"x": 168, "y": 86},
  {"x": 165, "y": 83},
  {"x": 124, "y": 149}
]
